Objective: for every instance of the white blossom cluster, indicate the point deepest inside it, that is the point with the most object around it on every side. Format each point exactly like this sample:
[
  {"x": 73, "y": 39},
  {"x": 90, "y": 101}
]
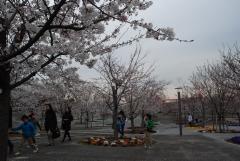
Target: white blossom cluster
[
  {"x": 43, "y": 32},
  {"x": 52, "y": 87}
]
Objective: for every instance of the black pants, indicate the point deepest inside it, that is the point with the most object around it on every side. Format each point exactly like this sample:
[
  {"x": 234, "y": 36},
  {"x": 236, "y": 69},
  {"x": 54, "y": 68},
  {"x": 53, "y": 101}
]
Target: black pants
[
  {"x": 66, "y": 133},
  {"x": 10, "y": 145},
  {"x": 34, "y": 140}
]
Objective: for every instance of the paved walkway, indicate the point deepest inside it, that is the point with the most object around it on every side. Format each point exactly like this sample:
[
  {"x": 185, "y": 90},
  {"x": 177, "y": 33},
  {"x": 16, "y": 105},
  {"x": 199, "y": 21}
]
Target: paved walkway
[
  {"x": 193, "y": 146},
  {"x": 167, "y": 148}
]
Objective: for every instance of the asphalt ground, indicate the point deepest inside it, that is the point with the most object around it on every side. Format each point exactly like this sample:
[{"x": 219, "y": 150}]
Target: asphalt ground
[{"x": 166, "y": 148}]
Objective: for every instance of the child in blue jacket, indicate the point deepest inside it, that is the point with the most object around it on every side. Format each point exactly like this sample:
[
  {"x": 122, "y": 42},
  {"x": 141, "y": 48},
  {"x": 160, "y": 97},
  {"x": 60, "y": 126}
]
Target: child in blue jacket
[{"x": 28, "y": 132}]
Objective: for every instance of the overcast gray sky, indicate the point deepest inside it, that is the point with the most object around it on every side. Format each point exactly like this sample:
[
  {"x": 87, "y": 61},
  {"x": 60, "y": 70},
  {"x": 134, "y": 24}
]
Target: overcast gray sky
[{"x": 210, "y": 23}]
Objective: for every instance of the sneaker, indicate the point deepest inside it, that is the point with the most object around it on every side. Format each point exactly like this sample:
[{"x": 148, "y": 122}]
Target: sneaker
[
  {"x": 145, "y": 146},
  {"x": 17, "y": 153},
  {"x": 35, "y": 150}
]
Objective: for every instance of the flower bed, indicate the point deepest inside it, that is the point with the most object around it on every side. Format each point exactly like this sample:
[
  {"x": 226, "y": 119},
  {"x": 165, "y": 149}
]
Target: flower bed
[
  {"x": 110, "y": 141},
  {"x": 210, "y": 130},
  {"x": 207, "y": 130}
]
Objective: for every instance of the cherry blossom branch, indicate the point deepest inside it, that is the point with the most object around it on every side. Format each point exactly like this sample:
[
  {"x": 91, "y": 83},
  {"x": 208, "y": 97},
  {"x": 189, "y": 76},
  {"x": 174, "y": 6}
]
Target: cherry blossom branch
[
  {"x": 36, "y": 37},
  {"x": 155, "y": 33},
  {"x": 28, "y": 77}
]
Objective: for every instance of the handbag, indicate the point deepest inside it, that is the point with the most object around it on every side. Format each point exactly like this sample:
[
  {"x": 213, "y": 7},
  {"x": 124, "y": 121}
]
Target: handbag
[{"x": 56, "y": 133}]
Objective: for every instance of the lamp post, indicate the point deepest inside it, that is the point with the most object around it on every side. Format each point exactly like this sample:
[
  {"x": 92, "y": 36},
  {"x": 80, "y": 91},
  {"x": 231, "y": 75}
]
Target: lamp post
[{"x": 179, "y": 110}]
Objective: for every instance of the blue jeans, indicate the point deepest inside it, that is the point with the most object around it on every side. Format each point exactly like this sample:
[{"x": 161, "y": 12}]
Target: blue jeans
[{"x": 121, "y": 129}]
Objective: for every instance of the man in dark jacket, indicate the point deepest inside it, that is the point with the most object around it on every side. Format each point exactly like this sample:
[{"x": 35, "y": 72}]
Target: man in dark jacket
[
  {"x": 50, "y": 123},
  {"x": 66, "y": 123}
]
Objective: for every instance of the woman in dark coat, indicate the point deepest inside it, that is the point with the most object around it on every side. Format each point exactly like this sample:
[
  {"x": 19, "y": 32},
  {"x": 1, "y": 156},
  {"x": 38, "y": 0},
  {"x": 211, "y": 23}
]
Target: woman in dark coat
[
  {"x": 66, "y": 123},
  {"x": 50, "y": 123}
]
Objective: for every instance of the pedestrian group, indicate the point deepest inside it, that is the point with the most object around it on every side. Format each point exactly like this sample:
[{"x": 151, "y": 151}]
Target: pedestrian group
[{"x": 30, "y": 126}]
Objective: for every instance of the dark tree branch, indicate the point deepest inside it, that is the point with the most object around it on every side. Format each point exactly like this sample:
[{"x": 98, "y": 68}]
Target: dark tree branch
[
  {"x": 28, "y": 77},
  {"x": 36, "y": 37}
]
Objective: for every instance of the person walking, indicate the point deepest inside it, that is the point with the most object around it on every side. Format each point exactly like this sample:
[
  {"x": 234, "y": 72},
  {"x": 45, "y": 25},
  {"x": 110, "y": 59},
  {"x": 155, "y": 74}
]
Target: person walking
[
  {"x": 190, "y": 119},
  {"x": 35, "y": 123},
  {"x": 28, "y": 132},
  {"x": 50, "y": 123},
  {"x": 67, "y": 118},
  {"x": 121, "y": 121},
  {"x": 149, "y": 124},
  {"x": 118, "y": 124}
]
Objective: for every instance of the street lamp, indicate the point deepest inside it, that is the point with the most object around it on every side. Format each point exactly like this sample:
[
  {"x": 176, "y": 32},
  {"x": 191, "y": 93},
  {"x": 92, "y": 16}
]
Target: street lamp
[{"x": 179, "y": 110}]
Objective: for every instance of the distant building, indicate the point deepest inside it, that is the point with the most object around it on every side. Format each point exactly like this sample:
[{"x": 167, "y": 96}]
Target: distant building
[{"x": 169, "y": 106}]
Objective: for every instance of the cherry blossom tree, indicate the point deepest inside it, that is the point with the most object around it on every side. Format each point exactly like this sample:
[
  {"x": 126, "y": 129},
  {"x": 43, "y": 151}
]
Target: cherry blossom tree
[
  {"x": 36, "y": 33},
  {"x": 57, "y": 88},
  {"x": 220, "y": 97},
  {"x": 194, "y": 102},
  {"x": 153, "y": 95},
  {"x": 143, "y": 94},
  {"x": 116, "y": 77},
  {"x": 127, "y": 86}
]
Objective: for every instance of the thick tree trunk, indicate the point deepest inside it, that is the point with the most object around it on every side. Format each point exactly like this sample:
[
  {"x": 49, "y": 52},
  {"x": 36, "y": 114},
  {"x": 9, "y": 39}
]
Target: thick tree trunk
[
  {"x": 5, "y": 98},
  {"x": 10, "y": 118},
  {"x": 115, "y": 113},
  {"x": 114, "y": 124},
  {"x": 4, "y": 109}
]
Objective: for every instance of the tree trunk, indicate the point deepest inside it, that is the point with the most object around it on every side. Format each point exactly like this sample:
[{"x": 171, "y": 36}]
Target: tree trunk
[
  {"x": 115, "y": 113},
  {"x": 225, "y": 126},
  {"x": 5, "y": 98},
  {"x": 131, "y": 116},
  {"x": 213, "y": 121},
  {"x": 81, "y": 117},
  {"x": 219, "y": 118},
  {"x": 132, "y": 122},
  {"x": 203, "y": 116},
  {"x": 114, "y": 124},
  {"x": 87, "y": 119},
  {"x": 238, "y": 115},
  {"x": 103, "y": 119},
  {"x": 142, "y": 118},
  {"x": 92, "y": 116}
]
